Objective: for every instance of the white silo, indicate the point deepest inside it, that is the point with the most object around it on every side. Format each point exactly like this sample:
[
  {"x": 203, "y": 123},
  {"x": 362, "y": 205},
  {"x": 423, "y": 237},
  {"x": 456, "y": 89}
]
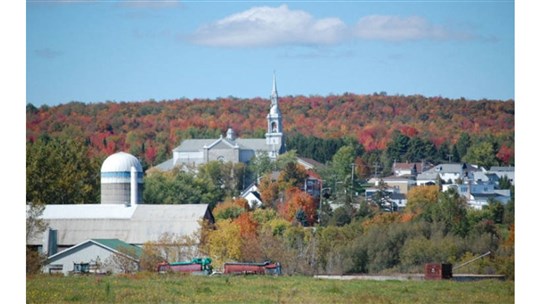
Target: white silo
[{"x": 121, "y": 180}]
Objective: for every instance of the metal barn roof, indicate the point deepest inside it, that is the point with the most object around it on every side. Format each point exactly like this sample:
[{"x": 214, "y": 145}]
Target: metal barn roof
[{"x": 134, "y": 225}]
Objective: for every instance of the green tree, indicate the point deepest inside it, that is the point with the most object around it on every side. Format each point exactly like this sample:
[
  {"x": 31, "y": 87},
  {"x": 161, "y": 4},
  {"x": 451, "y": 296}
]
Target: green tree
[
  {"x": 178, "y": 187},
  {"x": 34, "y": 226},
  {"x": 292, "y": 175},
  {"x": 481, "y": 154},
  {"x": 261, "y": 164},
  {"x": 60, "y": 172},
  {"x": 451, "y": 210},
  {"x": 463, "y": 144},
  {"x": 286, "y": 158},
  {"x": 342, "y": 216},
  {"x": 382, "y": 197},
  {"x": 455, "y": 154},
  {"x": 504, "y": 182},
  {"x": 443, "y": 154},
  {"x": 397, "y": 147},
  {"x": 341, "y": 162},
  {"x": 416, "y": 151}
]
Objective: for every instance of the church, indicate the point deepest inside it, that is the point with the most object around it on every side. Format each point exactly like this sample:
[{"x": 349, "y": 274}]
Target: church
[{"x": 229, "y": 148}]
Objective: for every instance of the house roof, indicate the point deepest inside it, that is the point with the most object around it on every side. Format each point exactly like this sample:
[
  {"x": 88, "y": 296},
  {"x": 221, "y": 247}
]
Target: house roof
[
  {"x": 166, "y": 165},
  {"x": 501, "y": 169},
  {"x": 309, "y": 163},
  {"x": 113, "y": 245},
  {"x": 428, "y": 175},
  {"x": 135, "y": 225},
  {"x": 405, "y": 166},
  {"x": 447, "y": 168},
  {"x": 392, "y": 178}
]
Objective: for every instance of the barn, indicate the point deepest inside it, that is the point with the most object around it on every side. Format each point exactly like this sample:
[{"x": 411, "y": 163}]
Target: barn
[
  {"x": 121, "y": 216},
  {"x": 95, "y": 256}
]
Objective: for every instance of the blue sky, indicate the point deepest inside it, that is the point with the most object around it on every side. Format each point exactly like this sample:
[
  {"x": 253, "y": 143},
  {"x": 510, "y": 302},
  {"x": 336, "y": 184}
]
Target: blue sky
[{"x": 94, "y": 51}]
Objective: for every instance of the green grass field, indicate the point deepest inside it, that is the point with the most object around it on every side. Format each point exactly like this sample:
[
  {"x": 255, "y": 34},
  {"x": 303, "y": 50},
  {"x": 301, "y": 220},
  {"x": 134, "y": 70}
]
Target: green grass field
[{"x": 173, "y": 288}]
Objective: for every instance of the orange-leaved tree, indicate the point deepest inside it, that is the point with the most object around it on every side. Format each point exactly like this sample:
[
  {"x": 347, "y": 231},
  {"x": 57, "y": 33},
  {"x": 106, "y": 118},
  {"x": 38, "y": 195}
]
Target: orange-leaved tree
[{"x": 297, "y": 203}]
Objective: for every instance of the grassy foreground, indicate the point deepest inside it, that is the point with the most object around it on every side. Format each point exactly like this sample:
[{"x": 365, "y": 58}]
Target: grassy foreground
[{"x": 173, "y": 288}]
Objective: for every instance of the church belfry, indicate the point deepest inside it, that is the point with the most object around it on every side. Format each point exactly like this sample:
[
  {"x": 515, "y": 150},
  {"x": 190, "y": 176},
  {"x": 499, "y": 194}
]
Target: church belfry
[{"x": 274, "y": 135}]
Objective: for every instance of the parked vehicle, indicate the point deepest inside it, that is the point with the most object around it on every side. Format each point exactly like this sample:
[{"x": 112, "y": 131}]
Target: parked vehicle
[
  {"x": 196, "y": 266},
  {"x": 252, "y": 268}
]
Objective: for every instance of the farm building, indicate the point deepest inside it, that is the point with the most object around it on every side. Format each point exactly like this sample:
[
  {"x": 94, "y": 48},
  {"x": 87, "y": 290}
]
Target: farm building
[
  {"x": 95, "y": 256},
  {"x": 120, "y": 216},
  {"x": 72, "y": 224}
]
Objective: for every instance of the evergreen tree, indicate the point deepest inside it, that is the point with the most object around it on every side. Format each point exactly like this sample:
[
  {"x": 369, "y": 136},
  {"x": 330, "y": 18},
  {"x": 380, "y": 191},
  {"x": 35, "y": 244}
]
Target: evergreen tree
[{"x": 463, "y": 144}]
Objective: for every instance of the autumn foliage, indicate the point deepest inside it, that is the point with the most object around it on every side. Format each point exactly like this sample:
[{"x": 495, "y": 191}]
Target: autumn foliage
[
  {"x": 298, "y": 200},
  {"x": 151, "y": 129}
]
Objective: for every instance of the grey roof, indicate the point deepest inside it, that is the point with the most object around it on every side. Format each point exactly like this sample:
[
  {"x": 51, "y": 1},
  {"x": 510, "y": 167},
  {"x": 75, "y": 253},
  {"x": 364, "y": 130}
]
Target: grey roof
[
  {"x": 428, "y": 175},
  {"x": 135, "y": 225},
  {"x": 166, "y": 165},
  {"x": 447, "y": 168},
  {"x": 501, "y": 169},
  {"x": 257, "y": 144},
  {"x": 190, "y": 145}
]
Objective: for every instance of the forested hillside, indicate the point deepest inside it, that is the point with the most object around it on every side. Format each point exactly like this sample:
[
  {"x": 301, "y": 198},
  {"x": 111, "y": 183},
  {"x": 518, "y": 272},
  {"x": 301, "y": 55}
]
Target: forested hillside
[
  {"x": 315, "y": 126},
  {"x": 67, "y": 144}
]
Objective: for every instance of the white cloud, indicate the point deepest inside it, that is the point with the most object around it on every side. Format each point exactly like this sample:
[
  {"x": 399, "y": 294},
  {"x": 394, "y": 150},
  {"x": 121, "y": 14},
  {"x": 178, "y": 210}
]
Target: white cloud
[{"x": 267, "y": 26}]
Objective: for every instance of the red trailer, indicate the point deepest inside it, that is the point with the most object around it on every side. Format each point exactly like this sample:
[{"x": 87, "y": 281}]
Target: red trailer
[{"x": 252, "y": 268}]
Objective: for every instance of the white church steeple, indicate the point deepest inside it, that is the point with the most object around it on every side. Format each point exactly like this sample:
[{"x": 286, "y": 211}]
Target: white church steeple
[{"x": 274, "y": 135}]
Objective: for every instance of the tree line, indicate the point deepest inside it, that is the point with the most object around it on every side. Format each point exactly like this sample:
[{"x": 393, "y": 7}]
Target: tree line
[{"x": 151, "y": 129}]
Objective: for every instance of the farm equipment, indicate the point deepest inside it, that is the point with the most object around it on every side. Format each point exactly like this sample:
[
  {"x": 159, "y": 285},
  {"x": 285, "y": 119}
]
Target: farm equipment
[
  {"x": 252, "y": 268},
  {"x": 200, "y": 266}
]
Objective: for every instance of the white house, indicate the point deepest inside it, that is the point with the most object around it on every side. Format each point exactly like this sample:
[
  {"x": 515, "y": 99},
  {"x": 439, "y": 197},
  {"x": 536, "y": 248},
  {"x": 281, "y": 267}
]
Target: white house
[
  {"x": 398, "y": 199},
  {"x": 478, "y": 195},
  {"x": 503, "y": 171},
  {"x": 251, "y": 194}
]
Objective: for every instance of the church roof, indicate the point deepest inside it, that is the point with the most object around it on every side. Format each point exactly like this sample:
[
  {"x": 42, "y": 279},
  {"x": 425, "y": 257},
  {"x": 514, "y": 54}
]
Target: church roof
[
  {"x": 257, "y": 144},
  {"x": 193, "y": 145}
]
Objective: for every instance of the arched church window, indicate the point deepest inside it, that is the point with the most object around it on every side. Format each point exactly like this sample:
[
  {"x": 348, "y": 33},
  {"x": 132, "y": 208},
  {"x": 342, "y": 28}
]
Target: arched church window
[{"x": 274, "y": 126}]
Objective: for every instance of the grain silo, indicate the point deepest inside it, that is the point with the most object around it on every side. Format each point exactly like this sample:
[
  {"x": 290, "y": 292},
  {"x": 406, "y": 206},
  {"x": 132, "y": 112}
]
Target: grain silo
[{"x": 121, "y": 180}]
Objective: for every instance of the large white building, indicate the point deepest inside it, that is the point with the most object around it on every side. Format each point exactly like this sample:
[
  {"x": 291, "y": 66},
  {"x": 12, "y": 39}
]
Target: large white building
[
  {"x": 119, "y": 217},
  {"x": 229, "y": 148}
]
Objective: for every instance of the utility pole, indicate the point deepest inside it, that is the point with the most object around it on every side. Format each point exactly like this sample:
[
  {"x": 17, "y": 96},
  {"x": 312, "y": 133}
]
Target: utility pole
[
  {"x": 376, "y": 166},
  {"x": 353, "y": 166}
]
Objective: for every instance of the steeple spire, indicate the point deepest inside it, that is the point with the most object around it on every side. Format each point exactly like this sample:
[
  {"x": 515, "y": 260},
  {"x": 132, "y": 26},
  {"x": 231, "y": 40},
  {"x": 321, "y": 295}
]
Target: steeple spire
[
  {"x": 275, "y": 137},
  {"x": 274, "y": 95}
]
